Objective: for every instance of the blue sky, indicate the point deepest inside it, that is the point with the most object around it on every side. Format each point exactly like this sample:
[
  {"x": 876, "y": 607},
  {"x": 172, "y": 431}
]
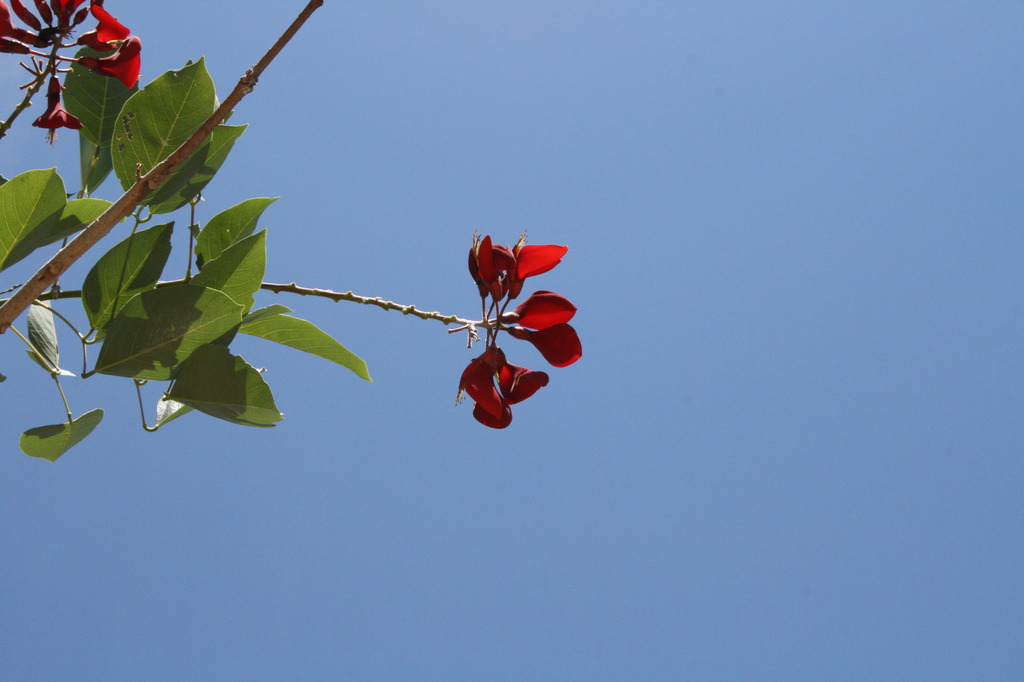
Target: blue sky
[{"x": 792, "y": 449}]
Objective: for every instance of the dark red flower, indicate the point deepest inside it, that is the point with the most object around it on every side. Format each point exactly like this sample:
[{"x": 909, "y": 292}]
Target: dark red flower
[
  {"x": 13, "y": 47},
  {"x": 490, "y": 266},
  {"x": 541, "y": 310},
  {"x": 478, "y": 382},
  {"x": 55, "y": 116},
  {"x": 123, "y": 64},
  {"x": 488, "y": 419},
  {"x": 515, "y": 384},
  {"x": 9, "y": 30},
  {"x": 64, "y": 9},
  {"x": 499, "y": 273},
  {"x": 26, "y": 17},
  {"x": 559, "y": 344}
]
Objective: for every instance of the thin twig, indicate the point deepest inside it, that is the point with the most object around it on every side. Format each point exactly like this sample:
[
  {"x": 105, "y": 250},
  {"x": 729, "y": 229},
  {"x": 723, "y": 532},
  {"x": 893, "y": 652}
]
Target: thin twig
[
  {"x": 294, "y": 288},
  {"x": 336, "y": 296},
  {"x": 121, "y": 208}
]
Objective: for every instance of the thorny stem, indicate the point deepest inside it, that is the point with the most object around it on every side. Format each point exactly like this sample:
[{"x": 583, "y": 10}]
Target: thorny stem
[
  {"x": 121, "y": 208},
  {"x": 292, "y": 288}
]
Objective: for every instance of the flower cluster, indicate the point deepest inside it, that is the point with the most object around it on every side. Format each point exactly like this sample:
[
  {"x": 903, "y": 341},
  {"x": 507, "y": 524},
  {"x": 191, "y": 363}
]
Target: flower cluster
[
  {"x": 542, "y": 319},
  {"x": 51, "y": 24}
]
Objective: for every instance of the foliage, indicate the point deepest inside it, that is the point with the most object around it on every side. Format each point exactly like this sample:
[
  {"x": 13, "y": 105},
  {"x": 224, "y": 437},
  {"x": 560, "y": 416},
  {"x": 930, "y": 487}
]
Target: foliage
[{"x": 164, "y": 143}]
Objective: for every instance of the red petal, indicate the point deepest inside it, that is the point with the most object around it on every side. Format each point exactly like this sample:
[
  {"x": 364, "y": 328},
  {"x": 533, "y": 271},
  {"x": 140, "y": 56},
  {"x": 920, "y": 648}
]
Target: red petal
[
  {"x": 9, "y": 30},
  {"x": 488, "y": 419},
  {"x": 109, "y": 28},
  {"x": 123, "y": 64},
  {"x": 478, "y": 381},
  {"x": 23, "y": 14},
  {"x": 485, "y": 261},
  {"x": 544, "y": 309},
  {"x": 518, "y": 383},
  {"x": 503, "y": 259},
  {"x": 560, "y": 345},
  {"x": 538, "y": 259}
]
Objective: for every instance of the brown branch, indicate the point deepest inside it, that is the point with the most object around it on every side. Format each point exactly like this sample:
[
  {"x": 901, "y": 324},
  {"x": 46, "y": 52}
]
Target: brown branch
[
  {"x": 336, "y": 296},
  {"x": 121, "y": 208}
]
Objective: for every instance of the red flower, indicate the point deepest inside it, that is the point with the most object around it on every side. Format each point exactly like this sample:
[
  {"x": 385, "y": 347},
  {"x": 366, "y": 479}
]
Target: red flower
[
  {"x": 64, "y": 9},
  {"x": 478, "y": 381},
  {"x": 489, "y": 266},
  {"x": 9, "y": 30},
  {"x": 515, "y": 384},
  {"x": 499, "y": 274},
  {"x": 55, "y": 116},
  {"x": 559, "y": 344},
  {"x": 26, "y": 16},
  {"x": 44, "y": 12},
  {"x": 123, "y": 64}
]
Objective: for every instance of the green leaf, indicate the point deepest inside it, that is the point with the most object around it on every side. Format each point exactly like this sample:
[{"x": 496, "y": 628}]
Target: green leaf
[
  {"x": 157, "y": 330},
  {"x": 42, "y": 333},
  {"x": 228, "y": 227},
  {"x": 168, "y": 410},
  {"x": 225, "y": 386},
  {"x": 50, "y": 442},
  {"x": 305, "y": 336},
  {"x": 77, "y": 215},
  {"x": 238, "y": 270},
  {"x": 95, "y": 99},
  {"x": 197, "y": 171},
  {"x": 157, "y": 119},
  {"x": 31, "y": 205},
  {"x": 132, "y": 266},
  {"x": 274, "y": 309},
  {"x": 95, "y": 163}
]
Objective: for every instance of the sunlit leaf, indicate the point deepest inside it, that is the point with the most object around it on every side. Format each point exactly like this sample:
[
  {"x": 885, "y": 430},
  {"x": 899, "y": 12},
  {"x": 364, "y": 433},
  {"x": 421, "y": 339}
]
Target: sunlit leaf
[
  {"x": 225, "y": 386},
  {"x": 50, "y": 442},
  {"x": 42, "y": 333},
  {"x": 168, "y": 410},
  {"x": 228, "y": 227},
  {"x": 157, "y": 330},
  {"x": 132, "y": 266},
  {"x": 305, "y": 336},
  {"x": 157, "y": 119},
  {"x": 274, "y": 309},
  {"x": 197, "y": 171},
  {"x": 76, "y": 216},
  {"x": 31, "y": 205},
  {"x": 238, "y": 270}
]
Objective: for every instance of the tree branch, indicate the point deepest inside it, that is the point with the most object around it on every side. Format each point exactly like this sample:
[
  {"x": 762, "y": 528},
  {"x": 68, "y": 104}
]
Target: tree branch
[{"x": 121, "y": 208}]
